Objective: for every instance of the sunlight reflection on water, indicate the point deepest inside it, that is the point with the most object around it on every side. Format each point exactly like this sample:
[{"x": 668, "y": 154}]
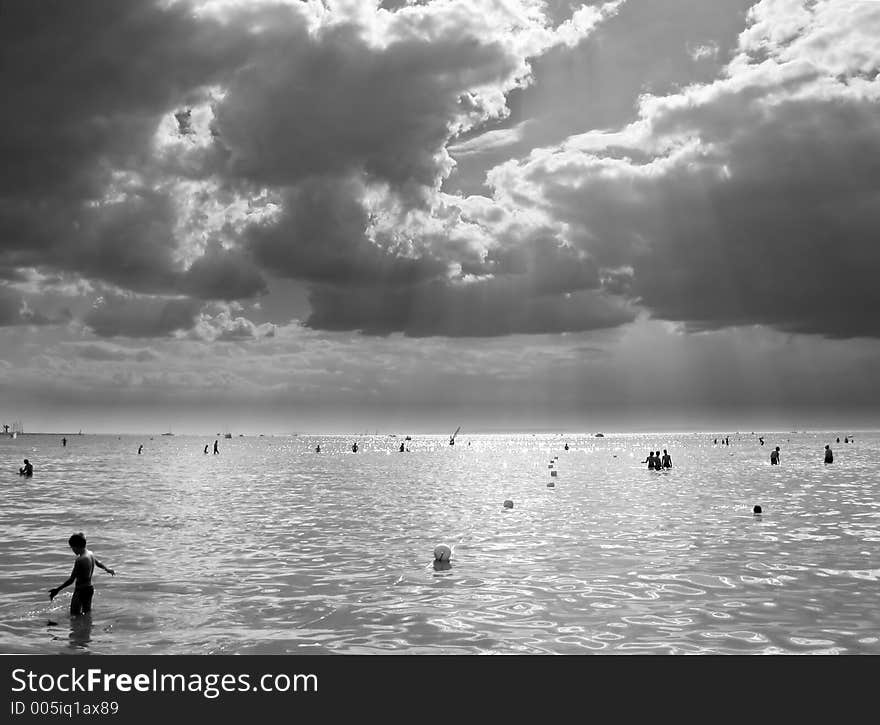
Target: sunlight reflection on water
[{"x": 272, "y": 548}]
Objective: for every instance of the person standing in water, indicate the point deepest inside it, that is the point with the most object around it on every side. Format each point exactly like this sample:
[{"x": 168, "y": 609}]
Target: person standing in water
[
  {"x": 318, "y": 448},
  {"x": 401, "y": 447},
  {"x": 140, "y": 448},
  {"x": 81, "y": 577},
  {"x": 27, "y": 469},
  {"x": 64, "y": 442},
  {"x": 829, "y": 456},
  {"x": 206, "y": 449},
  {"x": 354, "y": 447},
  {"x": 666, "y": 461},
  {"x": 216, "y": 447},
  {"x": 774, "y": 457}
]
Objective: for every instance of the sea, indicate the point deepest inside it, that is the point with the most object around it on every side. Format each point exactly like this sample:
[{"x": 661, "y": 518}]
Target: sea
[{"x": 271, "y": 548}]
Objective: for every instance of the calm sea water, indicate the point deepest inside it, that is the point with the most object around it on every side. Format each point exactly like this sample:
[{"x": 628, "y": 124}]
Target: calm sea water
[{"x": 272, "y": 548}]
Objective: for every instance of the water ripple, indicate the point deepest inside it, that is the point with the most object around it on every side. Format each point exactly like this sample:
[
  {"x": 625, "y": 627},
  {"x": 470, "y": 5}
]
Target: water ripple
[{"x": 270, "y": 548}]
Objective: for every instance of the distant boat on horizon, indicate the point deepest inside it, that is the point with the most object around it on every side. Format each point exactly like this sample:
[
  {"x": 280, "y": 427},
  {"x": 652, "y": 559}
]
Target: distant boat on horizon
[
  {"x": 227, "y": 435},
  {"x": 599, "y": 435},
  {"x": 169, "y": 433}
]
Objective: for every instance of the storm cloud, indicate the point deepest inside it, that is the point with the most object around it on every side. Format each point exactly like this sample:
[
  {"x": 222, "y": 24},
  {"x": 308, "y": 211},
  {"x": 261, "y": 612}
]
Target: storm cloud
[
  {"x": 749, "y": 200},
  {"x": 185, "y": 153}
]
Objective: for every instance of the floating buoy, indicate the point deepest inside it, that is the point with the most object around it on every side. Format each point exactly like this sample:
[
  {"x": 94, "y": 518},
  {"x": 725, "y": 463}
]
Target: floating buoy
[
  {"x": 757, "y": 510},
  {"x": 508, "y": 504},
  {"x": 550, "y": 484},
  {"x": 553, "y": 473},
  {"x": 442, "y": 553}
]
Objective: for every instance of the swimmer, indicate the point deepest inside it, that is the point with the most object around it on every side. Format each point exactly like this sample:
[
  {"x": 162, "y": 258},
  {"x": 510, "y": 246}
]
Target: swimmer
[
  {"x": 402, "y": 448},
  {"x": 318, "y": 448},
  {"x": 206, "y": 449},
  {"x": 81, "y": 577},
  {"x": 140, "y": 448},
  {"x": 354, "y": 447},
  {"x": 27, "y": 470}
]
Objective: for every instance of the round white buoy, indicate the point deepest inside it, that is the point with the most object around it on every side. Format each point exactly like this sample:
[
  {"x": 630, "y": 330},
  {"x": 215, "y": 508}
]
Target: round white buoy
[
  {"x": 442, "y": 553},
  {"x": 508, "y": 504},
  {"x": 550, "y": 484},
  {"x": 553, "y": 473}
]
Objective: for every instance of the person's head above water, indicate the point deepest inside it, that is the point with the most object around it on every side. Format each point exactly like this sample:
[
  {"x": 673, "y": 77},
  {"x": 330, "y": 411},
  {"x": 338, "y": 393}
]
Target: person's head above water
[{"x": 77, "y": 542}]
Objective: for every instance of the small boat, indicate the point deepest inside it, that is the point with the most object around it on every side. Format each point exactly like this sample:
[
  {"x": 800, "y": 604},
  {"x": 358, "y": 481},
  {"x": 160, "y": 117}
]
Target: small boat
[
  {"x": 169, "y": 433},
  {"x": 452, "y": 439},
  {"x": 227, "y": 435},
  {"x": 599, "y": 435}
]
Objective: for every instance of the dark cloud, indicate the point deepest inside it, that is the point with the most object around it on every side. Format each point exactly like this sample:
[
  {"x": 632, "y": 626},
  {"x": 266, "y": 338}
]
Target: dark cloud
[
  {"x": 222, "y": 274},
  {"x": 85, "y": 83},
  {"x": 491, "y": 308},
  {"x": 776, "y": 226},
  {"x": 321, "y": 237},
  {"x": 328, "y": 103},
  {"x": 141, "y": 317},
  {"x": 546, "y": 265},
  {"x": 84, "y": 86}
]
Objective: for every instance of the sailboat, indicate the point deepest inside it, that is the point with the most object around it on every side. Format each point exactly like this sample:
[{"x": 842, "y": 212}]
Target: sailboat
[{"x": 452, "y": 439}]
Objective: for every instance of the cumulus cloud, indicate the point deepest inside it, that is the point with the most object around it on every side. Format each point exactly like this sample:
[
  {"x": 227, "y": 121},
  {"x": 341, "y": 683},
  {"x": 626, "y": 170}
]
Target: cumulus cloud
[
  {"x": 223, "y": 274},
  {"x": 322, "y": 237},
  {"x": 315, "y": 110},
  {"x": 321, "y": 135},
  {"x": 225, "y": 326},
  {"x": 752, "y": 199}
]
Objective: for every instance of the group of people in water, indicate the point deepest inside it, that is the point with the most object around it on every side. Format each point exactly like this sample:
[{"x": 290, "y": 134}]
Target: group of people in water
[{"x": 656, "y": 462}]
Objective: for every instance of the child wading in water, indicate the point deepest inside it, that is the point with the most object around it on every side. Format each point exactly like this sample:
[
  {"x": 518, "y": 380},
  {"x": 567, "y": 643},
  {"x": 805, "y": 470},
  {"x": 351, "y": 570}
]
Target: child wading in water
[{"x": 83, "y": 568}]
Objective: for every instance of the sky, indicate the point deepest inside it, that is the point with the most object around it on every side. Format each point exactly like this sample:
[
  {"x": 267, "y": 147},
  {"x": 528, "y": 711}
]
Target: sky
[{"x": 405, "y": 216}]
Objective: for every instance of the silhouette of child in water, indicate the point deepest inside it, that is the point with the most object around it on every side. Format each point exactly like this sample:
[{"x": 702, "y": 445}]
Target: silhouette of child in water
[{"x": 81, "y": 577}]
